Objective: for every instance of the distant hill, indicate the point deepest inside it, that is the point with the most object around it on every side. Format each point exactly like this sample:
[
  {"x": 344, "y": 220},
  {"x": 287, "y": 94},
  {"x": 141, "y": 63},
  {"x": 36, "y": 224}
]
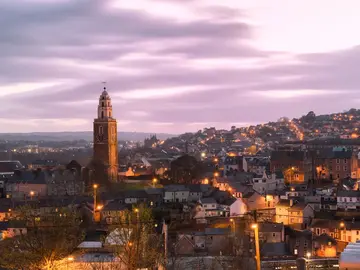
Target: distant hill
[{"x": 80, "y": 135}]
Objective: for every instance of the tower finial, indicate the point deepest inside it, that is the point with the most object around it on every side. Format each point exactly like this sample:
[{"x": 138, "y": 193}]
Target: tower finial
[{"x": 104, "y": 83}]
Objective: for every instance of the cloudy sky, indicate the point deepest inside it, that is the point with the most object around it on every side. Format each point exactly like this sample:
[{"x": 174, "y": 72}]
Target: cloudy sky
[{"x": 175, "y": 65}]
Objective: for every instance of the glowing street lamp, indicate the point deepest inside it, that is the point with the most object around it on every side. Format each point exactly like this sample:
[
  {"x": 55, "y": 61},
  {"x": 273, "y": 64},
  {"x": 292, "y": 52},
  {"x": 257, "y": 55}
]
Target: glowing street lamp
[
  {"x": 343, "y": 231},
  {"x": 69, "y": 260},
  {"x": 32, "y": 193},
  {"x": 154, "y": 181},
  {"x": 99, "y": 207},
  {"x": 255, "y": 227},
  {"x": 203, "y": 154},
  {"x": 95, "y": 187}
]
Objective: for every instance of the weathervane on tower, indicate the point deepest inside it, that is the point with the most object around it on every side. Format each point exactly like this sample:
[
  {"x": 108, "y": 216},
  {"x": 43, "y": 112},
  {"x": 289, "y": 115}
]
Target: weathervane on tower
[{"x": 104, "y": 83}]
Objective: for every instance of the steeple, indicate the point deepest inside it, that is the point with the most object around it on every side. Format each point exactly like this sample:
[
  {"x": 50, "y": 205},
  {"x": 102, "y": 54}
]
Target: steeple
[
  {"x": 105, "y": 107},
  {"x": 105, "y": 137}
]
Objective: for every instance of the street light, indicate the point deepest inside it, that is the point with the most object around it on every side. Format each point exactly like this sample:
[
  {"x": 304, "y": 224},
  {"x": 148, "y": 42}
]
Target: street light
[
  {"x": 255, "y": 227},
  {"x": 216, "y": 174},
  {"x": 69, "y": 260},
  {"x": 154, "y": 181},
  {"x": 308, "y": 255},
  {"x": 95, "y": 187},
  {"x": 343, "y": 228},
  {"x": 99, "y": 207},
  {"x": 232, "y": 225},
  {"x": 32, "y": 193}
]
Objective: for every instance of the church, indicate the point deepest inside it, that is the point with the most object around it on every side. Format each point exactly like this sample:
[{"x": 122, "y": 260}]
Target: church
[{"x": 105, "y": 150}]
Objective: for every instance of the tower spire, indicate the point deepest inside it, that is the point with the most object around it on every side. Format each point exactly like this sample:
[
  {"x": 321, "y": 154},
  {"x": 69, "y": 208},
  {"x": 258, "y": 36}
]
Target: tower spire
[{"x": 105, "y": 107}]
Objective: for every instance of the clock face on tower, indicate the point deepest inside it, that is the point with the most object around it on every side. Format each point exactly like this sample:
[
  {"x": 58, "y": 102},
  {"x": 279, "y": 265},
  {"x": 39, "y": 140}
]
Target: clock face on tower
[
  {"x": 99, "y": 135},
  {"x": 100, "y": 138}
]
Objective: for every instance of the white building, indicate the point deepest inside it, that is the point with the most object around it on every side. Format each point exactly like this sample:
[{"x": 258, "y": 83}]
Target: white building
[
  {"x": 348, "y": 199},
  {"x": 176, "y": 193},
  {"x": 268, "y": 183}
]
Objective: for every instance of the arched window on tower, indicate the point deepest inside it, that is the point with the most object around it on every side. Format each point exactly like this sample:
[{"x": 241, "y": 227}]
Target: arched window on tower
[
  {"x": 108, "y": 103},
  {"x": 102, "y": 114},
  {"x": 101, "y": 130},
  {"x": 102, "y": 104}
]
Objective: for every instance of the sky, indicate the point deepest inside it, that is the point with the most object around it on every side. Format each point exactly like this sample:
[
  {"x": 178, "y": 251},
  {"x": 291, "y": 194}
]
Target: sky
[{"x": 174, "y": 66}]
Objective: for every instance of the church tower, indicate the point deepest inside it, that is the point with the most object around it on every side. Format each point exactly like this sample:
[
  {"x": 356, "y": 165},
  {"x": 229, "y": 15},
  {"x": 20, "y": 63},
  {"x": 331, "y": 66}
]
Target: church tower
[{"x": 105, "y": 137}]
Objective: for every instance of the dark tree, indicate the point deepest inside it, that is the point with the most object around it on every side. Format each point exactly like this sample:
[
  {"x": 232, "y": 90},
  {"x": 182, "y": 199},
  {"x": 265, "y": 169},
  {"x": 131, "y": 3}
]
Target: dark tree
[
  {"x": 185, "y": 169},
  {"x": 99, "y": 174}
]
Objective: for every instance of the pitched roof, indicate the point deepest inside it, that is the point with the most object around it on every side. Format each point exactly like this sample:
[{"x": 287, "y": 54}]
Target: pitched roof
[
  {"x": 287, "y": 155},
  {"x": 325, "y": 239},
  {"x": 9, "y": 166},
  {"x": 154, "y": 191},
  {"x": 115, "y": 206},
  {"x": 298, "y": 206},
  {"x": 175, "y": 188},
  {"x": 271, "y": 227},
  {"x": 328, "y": 153},
  {"x": 335, "y": 224},
  {"x": 29, "y": 177},
  {"x": 208, "y": 200},
  {"x": 348, "y": 193},
  {"x": 283, "y": 203},
  {"x": 274, "y": 249}
]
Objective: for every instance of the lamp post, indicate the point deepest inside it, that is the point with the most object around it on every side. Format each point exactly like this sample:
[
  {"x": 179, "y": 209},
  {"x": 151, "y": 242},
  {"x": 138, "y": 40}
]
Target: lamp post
[
  {"x": 342, "y": 228},
  {"x": 308, "y": 255},
  {"x": 32, "y": 193},
  {"x": 95, "y": 187},
  {"x": 69, "y": 260},
  {"x": 154, "y": 181},
  {"x": 255, "y": 227},
  {"x": 232, "y": 221}
]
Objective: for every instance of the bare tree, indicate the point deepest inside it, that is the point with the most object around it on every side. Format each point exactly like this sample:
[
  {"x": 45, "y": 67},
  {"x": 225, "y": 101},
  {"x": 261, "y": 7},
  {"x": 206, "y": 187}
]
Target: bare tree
[
  {"x": 135, "y": 241},
  {"x": 47, "y": 240}
]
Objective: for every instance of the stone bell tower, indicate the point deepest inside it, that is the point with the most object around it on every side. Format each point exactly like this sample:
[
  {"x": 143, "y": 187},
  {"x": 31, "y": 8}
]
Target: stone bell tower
[{"x": 105, "y": 137}]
